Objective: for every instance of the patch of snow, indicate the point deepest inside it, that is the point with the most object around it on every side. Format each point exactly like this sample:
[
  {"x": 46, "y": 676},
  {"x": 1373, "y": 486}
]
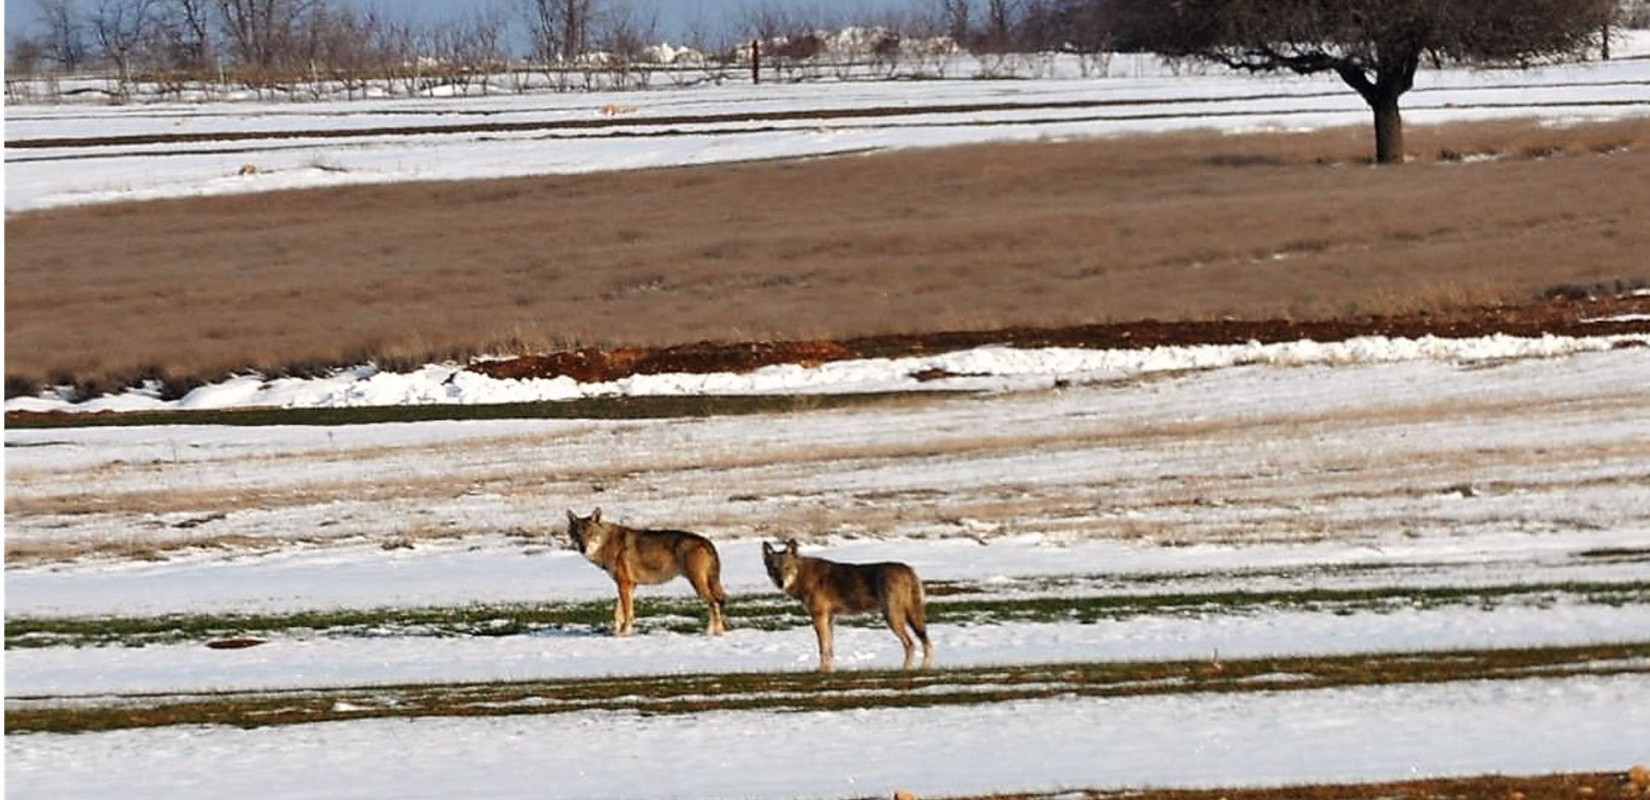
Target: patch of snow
[
  {"x": 980, "y": 369},
  {"x": 1183, "y": 741},
  {"x": 1140, "y": 96}
]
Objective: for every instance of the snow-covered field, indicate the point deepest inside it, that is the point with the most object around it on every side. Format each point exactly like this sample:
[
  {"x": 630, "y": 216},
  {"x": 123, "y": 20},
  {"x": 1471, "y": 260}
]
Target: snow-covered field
[
  {"x": 1515, "y": 472},
  {"x": 367, "y": 141},
  {"x": 1526, "y": 727},
  {"x": 1377, "y": 464}
]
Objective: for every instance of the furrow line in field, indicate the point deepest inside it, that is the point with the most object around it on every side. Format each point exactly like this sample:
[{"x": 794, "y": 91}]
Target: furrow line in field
[
  {"x": 675, "y": 131},
  {"x": 954, "y": 604},
  {"x": 587, "y": 124},
  {"x": 801, "y": 692}
]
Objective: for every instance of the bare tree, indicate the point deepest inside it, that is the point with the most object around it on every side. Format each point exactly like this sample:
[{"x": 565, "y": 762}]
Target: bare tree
[
  {"x": 885, "y": 52},
  {"x": 714, "y": 50},
  {"x": 956, "y": 16},
  {"x": 179, "y": 46},
  {"x": 766, "y": 25},
  {"x": 769, "y": 22},
  {"x": 797, "y": 54},
  {"x": 467, "y": 49},
  {"x": 576, "y": 18},
  {"x": 993, "y": 45},
  {"x": 264, "y": 34},
  {"x": 1635, "y": 13},
  {"x": 1080, "y": 27},
  {"x": 1375, "y": 46},
  {"x": 787, "y": 41},
  {"x": 184, "y": 32},
  {"x": 24, "y": 57},
  {"x": 559, "y": 30},
  {"x": 1040, "y": 27},
  {"x": 485, "y": 50},
  {"x": 999, "y": 25},
  {"x": 64, "y": 34},
  {"x": 118, "y": 26},
  {"x": 927, "y": 47},
  {"x": 343, "y": 41},
  {"x": 395, "y": 50},
  {"x": 624, "y": 36}
]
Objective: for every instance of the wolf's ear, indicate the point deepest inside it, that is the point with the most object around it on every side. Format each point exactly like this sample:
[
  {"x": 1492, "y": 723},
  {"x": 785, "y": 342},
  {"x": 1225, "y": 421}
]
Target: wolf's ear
[
  {"x": 791, "y": 546},
  {"x": 767, "y": 549},
  {"x": 596, "y": 516},
  {"x": 572, "y": 518}
]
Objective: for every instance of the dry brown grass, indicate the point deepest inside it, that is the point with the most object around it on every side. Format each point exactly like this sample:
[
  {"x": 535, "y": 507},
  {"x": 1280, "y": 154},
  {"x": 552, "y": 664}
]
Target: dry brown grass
[
  {"x": 472, "y": 466},
  {"x": 133, "y": 547},
  {"x": 1190, "y": 226}
]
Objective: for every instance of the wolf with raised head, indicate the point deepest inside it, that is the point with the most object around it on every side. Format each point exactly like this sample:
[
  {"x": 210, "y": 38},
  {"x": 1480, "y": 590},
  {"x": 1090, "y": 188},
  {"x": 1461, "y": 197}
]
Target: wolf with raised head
[
  {"x": 632, "y": 556},
  {"x": 827, "y": 588}
]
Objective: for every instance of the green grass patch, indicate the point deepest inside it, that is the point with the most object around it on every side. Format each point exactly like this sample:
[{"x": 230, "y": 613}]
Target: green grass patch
[
  {"x": 583, "y": 408},
  {"x": 960, "y": 605}
]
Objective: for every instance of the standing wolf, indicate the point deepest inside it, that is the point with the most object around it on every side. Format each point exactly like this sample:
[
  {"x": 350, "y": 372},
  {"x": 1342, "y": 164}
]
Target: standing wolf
[
  {"x": 828, "y": 588},
  {"x": 634, "y": 556}
]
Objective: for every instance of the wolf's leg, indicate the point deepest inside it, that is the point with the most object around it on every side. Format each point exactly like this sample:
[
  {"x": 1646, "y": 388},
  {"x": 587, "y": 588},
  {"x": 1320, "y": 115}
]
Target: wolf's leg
[
  {"x": 624, "y": 614},
  {"x": 896, "y": 623},
  {"x": 822, "y": 628},
  {"x": 917, "y": 617},
  {"x": 702, "y": 573},
  {"x": 718, "y": 623},
  {"x": 920, "y": 625}
]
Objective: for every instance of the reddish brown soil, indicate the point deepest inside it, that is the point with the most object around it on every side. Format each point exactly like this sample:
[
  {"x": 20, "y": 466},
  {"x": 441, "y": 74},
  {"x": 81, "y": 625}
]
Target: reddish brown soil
[
  {"x": 1575, "y": 786},
  {"x": 1560, "y": 317}
]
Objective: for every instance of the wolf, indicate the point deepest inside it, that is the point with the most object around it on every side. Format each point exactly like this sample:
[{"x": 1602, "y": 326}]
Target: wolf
[
  {"x": 827, "y": 588},
  {"x": 635, "y": 556}
]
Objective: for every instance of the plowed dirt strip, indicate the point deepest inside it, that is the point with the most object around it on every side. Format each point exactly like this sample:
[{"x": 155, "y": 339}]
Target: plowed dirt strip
[
  {"x": 809, "y": 691},
  {"x": 1624, "y": 784}
]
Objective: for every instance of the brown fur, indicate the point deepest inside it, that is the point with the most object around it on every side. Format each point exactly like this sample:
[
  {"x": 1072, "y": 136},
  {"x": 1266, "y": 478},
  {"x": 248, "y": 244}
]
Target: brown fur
[
  {"x": 635, "y": 556},
  {"x": 828, "y": 588}
]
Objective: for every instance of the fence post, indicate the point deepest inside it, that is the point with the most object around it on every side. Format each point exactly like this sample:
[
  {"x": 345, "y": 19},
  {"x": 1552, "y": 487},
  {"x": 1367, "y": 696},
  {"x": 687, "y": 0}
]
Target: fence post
[{"x": 756, "y": 61}]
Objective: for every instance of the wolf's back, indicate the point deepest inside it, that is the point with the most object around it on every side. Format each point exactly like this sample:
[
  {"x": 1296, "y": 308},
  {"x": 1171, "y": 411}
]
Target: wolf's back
[{"x": 687, "y": 545}]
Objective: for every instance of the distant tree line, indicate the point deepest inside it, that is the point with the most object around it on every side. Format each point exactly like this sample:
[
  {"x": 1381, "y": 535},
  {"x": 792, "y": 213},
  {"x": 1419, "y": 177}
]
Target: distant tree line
[
  {"x": 256, "y": 43},
  {"x": 264, "y": 44}
]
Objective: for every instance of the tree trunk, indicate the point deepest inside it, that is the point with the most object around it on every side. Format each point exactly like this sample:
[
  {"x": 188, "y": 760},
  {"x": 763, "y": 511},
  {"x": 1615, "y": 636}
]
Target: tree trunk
[
  {"x": 1389, "y": 132},
  {"x": 1394, "y": 75}
]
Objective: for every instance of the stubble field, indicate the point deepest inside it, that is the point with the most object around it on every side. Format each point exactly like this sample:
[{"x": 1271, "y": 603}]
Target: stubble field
[{"x": 1194, "y": 226}]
